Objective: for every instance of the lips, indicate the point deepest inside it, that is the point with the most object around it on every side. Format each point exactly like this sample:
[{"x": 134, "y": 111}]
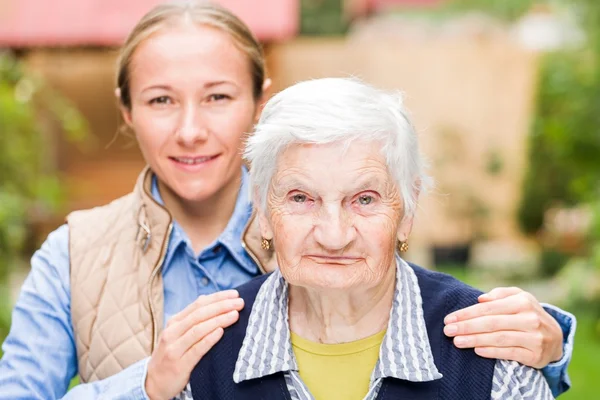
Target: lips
[
  {"x": 194, "y": 160},
  {"x": 323, "y": 259}
]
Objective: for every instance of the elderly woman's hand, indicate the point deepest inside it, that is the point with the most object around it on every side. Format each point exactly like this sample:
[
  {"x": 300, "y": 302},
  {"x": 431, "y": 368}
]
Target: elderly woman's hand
[{"x": 509, "y": 324}]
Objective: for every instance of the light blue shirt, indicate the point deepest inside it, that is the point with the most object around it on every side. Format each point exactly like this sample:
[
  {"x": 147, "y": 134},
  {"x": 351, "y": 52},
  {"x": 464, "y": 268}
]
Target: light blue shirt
[{"x": 40, "y": 357}]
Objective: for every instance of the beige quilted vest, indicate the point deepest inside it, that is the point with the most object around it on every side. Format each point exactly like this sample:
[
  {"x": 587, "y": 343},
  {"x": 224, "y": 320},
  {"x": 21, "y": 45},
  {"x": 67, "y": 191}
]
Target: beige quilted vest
[{"x": 116, "y": 254}]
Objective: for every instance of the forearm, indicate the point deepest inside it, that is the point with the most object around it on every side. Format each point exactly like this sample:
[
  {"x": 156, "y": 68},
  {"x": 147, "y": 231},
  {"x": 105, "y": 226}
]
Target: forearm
[
  {"x": 556, "y": 372},
  {"x": 126, "y": 385},
  {"x": 39, "y": 353}
]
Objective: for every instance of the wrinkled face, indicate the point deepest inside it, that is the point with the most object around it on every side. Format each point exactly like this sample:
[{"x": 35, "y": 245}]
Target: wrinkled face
[
  {"x": 191, "y": 105},
  {"x": 334, "y": 216}
]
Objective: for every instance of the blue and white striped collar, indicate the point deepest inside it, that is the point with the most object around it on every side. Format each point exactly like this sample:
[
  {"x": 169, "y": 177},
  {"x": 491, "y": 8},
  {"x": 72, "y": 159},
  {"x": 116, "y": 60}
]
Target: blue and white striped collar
[{"x": 405, "y": 352}]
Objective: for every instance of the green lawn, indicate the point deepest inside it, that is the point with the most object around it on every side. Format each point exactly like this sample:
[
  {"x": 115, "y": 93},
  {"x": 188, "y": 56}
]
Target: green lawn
[{"x": 585, "y": 366}]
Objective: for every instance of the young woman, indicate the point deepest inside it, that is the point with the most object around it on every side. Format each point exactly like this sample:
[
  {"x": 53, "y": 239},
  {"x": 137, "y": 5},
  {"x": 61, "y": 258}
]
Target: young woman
[{"x": 131, "y": 295}]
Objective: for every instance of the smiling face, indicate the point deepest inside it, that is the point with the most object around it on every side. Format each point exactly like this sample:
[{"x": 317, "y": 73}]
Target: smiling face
[
  {"x": 191, "y": 105},
  {"x": 334, "y": 215}
]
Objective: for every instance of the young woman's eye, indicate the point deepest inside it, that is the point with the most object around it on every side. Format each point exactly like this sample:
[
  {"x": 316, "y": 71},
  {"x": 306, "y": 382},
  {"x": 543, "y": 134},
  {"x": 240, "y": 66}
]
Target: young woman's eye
[
  {"x": 299, "y": 198},
  {"x": 218, "y": 97},
  {"x": 161, "y": 100}
]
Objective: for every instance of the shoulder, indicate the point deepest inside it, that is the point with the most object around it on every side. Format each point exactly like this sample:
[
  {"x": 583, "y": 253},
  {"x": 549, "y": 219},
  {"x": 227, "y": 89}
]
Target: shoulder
[
  {"x": 54, "y": 253},
  {"x": 212, "y": 376},
  {"x": 442, "y": 294},
  {"x": 515, "y": 381},
  {"x": 88, "y": 227},
  {"x": 115, "y": 207},
  {"x": 50, "y": 267},
  {"x": 249, "y": 290},
  {"x": 437, "y": 286}
]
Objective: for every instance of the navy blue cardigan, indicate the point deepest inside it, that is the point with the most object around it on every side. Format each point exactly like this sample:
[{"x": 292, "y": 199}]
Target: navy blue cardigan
[{"x": 465, "y": 375}]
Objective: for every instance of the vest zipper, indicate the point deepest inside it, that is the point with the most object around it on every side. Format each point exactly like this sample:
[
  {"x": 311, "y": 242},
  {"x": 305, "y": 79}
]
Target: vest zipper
[
  {"x": 157, "y": 267},
  {"x": 254, "y": 258}
]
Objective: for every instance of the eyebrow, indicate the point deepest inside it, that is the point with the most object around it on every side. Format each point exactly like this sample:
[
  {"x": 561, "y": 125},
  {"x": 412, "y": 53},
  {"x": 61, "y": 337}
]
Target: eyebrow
[
  {"x": 207, "y": 85},
  {"x": 157, "y": 87},
  {"x": 293, "y": 183},
  {"x": 369, "y": 183}
]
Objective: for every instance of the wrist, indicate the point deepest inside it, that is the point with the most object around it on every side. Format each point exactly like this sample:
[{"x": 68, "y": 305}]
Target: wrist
[
  {"x": 558, "y": 355},
  {"x": 151, "y": 390}
]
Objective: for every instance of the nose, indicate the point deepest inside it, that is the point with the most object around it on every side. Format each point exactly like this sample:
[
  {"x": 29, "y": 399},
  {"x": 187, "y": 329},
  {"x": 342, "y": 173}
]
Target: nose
[
  {"x": 334, "y": 230},
  {"x": 190, "y": 126}
]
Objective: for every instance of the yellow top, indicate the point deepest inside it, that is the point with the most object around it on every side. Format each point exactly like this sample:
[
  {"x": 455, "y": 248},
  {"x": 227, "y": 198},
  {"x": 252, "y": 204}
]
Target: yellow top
[{"x": 337, "y": 371}]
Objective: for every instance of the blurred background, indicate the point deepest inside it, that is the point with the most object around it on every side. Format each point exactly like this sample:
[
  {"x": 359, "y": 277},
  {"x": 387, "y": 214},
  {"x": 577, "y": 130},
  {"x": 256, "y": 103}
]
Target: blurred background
[{"x": 505, "y": 95}]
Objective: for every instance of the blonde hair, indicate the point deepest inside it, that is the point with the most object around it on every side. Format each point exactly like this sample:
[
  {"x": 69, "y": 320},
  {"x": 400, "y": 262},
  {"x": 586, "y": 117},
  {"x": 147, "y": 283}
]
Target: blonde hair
[{"x": 196, "y": 12}]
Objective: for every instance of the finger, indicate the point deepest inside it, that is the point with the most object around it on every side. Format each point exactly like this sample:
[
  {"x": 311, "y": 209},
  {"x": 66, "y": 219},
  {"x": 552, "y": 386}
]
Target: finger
[
  {"x": 491, "y": 323},
  {"x": 500, "y": 339},
  {"x": 202, "y": 301},
  {"x": 199, "y": 350},
  {"x": 199, "y": 331},
  {"x": 499, "y": 293},
  {"x": 206, "y": 313},
  {"x": 518, "y": 354},
  {"x": 509, "y": 305}
]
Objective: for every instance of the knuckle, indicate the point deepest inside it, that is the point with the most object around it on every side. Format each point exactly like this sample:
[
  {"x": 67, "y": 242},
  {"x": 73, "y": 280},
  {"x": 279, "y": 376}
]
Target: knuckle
[
  {"x": 164, "y": 339},
  {"x": 501, "y": 339},
  {"x": 513, "y": 354},
  {"x": 540, "y": 341},
  {"x": 486, "y": 309},
  {"x": 536, "y": 359},
  {"x": 493, "y": 325},
  {"x": 541, "y": 338},
  {"x": 196, "y": 330},
  {"x": 169, "y": 354},
  {"x": 523, "y": 302},
  {"x": 535, "y": 321}
]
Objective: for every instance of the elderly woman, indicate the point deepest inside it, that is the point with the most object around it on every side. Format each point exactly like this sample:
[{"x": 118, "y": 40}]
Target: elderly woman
[{"x": 337, "y": 172}]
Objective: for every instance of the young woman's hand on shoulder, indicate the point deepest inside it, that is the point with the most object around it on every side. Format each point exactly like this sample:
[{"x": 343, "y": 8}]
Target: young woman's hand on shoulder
[{"x": 188, "y": 336}]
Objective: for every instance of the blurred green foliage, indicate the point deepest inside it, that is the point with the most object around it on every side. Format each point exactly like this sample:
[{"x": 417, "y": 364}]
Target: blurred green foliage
[
  {"x": 564, "y": 145},
  {"x": 508, "y": 10},
  {"x": 322, "y": 17},
  {"x": 28, "y": 185}
]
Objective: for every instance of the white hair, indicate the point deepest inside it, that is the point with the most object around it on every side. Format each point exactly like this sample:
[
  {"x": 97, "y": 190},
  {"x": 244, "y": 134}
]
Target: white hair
[{"x": 340, "y": 110}]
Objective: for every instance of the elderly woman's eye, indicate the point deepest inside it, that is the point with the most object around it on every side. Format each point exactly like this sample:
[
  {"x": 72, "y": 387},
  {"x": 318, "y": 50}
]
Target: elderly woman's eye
[
  {"x": 365, "y": 200},
  {"x": 299, "y": 198}
]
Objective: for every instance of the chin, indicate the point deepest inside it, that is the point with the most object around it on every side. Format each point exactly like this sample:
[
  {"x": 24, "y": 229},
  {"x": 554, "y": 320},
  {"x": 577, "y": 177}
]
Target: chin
[
  {"x": 195, "y": 192},
  {"x": 335, "y": 278}
]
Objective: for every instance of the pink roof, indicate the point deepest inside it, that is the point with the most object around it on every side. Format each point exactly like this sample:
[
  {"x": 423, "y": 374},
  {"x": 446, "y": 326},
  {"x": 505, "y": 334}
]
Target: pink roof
[
  {"x": 25, "y": 23},
  {"x": 365, "y": 7}
]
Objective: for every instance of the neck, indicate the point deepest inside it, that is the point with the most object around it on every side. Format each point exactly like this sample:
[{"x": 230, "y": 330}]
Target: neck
[
  {"x": 326, "y": 316},
  {"x": 203, "y": 221}
]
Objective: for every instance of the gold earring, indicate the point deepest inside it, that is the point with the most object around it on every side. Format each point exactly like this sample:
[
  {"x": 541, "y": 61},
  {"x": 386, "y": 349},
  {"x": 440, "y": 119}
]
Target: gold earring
[
  {"x": 265, "y": 244},
  {"x": 403, "y": 246}
]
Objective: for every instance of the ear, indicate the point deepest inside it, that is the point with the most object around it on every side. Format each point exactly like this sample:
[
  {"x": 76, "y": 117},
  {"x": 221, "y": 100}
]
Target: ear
[
  {"x": 266, "y": 93},
  {"x": 405, "y": 228},
  {"x": 406, "y": 224},
  {"x": 263, "y": 222},
  {"x": 125, "y": 112}
]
